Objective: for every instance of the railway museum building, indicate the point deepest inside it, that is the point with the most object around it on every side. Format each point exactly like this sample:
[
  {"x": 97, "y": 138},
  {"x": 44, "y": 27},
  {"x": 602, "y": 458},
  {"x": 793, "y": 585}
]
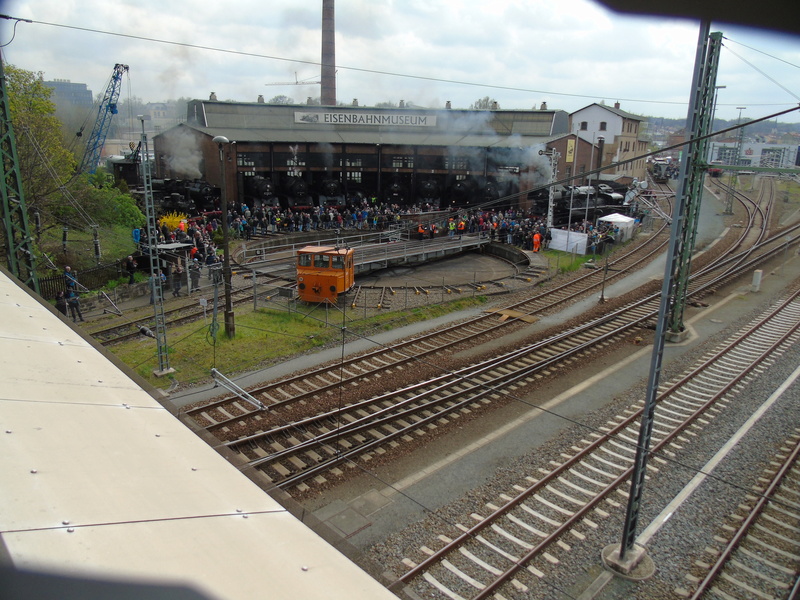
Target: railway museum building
[{"x": 308, "y": 155}]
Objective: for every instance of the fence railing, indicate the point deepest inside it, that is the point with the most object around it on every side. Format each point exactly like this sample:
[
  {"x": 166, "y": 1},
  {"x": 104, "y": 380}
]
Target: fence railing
[{"x": 89, "y": 279}]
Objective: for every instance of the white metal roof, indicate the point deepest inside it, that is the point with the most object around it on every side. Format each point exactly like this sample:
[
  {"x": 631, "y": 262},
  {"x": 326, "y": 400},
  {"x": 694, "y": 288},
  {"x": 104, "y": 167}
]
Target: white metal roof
[{"x": 101, "y": 481}]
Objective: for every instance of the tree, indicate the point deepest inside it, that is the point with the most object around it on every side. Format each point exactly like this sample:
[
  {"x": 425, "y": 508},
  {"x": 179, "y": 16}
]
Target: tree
[
  {"x": 47, "y": 167},
  {"x": 44, "y": 163},
  {"x": 281, "y": 100},
  {"x": 108, "y": 204},
  {"x": 485, "y": 103}
]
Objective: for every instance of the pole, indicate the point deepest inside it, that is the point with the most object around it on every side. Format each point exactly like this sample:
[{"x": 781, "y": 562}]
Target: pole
[
  {"x": 669, "y": 296},
  {"x": 717, "y": 88},
  {"x": 156, "y": 290},
  {"x": 589, "y": 180},
  {"x": 603, "y": 287},
  {"x": 230, "y": 326},
  {"x": 569, "y": 219}
]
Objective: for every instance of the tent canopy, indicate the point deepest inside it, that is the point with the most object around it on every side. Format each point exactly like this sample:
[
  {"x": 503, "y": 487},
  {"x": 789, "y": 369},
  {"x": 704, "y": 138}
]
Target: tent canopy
[
  {"x": 626, "y": 225},
  {"x": 617, "y": 218}
]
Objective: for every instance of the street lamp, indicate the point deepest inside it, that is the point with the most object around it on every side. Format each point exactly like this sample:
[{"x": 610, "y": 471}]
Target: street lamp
[
  {"x": 230, "y": 326},
  {"x": 717, "y": 88},
  {"x": 740, "y": 137},
  {"x": 737, "y": 160}
]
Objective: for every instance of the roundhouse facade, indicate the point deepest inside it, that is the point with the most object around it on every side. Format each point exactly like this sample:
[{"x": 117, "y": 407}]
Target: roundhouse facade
[{"x": 306, "y": 155}]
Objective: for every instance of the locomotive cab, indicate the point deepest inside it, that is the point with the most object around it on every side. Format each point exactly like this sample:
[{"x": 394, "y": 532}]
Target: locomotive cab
[{"x": 324, "y": 272}]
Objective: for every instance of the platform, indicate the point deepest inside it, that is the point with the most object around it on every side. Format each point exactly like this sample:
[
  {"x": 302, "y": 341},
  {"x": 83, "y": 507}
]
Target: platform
[{"x": 371, "y": 253}]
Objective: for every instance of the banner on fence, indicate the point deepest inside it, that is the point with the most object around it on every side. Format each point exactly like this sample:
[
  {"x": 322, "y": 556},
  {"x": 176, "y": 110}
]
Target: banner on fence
[{"x": 568, "y": 241}]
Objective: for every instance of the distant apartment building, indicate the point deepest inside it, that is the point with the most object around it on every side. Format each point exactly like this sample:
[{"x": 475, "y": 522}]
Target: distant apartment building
[
  {"x": 65, "y": 92},
  {"x": 779, "y": 156}
]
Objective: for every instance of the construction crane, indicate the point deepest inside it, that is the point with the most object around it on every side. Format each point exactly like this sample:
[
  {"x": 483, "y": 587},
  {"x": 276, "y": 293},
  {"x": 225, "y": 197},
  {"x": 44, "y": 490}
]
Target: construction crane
[
  {"x": 296, "y": 81},
  {"x": 107, "y": 109}
]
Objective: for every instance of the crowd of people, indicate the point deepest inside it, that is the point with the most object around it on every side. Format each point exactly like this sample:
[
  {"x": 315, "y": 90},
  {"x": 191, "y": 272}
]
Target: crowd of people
[
  {"x": 516, "y": 227},
  {"x": 199, "y": 233}
]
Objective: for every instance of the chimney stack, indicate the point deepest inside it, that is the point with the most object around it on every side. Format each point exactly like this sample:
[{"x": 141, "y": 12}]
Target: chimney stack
[
  {"x": 601, "y": 144},
  {"x": 260, "y": 99},
  {"x": 328, "y": 87},
  {"x": 448, "y": 105},
  {"x": 616, "y": 104},
  {"x": 402, "y": 103},
  {"x": 213, "y": 96}
]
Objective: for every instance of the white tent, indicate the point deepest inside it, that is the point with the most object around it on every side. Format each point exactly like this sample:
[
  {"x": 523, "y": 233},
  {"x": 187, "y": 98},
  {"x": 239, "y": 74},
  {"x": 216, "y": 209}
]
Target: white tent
[{"x": 627, "y": 225}]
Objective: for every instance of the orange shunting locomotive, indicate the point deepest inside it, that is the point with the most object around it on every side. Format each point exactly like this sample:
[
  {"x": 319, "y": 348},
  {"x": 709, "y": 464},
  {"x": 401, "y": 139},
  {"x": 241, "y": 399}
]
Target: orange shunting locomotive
[{"x": 324, "y": 272}]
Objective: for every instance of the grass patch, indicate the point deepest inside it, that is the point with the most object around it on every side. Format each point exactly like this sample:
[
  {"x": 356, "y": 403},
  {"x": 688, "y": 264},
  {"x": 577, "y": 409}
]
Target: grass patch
[
  {"x": 788, "y": 191},
  {"x": 563, "y": 262},
  {"x": 263, "y": 338}
]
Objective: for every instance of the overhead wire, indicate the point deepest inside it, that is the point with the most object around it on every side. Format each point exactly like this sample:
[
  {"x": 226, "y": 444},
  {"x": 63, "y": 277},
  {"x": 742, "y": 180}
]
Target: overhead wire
[
  {"x": 725, "y": 37},
  {"x": 511, "y": 396},
  {"x": 341, "y": 67},
  {"x": 772, "y": 79},
  {"x": 45, "y": 161},
  {"x": 396, "y": 75},
  {"x": 93, "y": 111},
  {"x": 571, "y": 178}
]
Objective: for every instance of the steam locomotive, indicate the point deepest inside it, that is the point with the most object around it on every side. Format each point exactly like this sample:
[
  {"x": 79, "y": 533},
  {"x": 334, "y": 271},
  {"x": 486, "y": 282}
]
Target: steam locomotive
[
  {"x": 584, "y": 201},
  {"x": 311, "y": 191},
  {"x": 192, "y": 197}
]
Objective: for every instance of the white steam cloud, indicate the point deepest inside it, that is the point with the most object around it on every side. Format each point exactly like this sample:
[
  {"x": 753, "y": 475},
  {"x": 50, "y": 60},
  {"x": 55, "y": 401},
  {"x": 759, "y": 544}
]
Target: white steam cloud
[{"x": 184, "y": 156}]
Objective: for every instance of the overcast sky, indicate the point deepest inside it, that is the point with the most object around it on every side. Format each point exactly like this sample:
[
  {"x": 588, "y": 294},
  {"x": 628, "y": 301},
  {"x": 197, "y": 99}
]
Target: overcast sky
[{"x": 521, "y": 53}]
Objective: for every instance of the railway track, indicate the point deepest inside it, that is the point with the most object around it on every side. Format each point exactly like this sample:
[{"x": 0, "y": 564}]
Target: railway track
[
  {"x": 758, "y": 556},
  {"x": 229, "y": 418},
  {"x": 511, "y": 548},
  {"x": 186, "y": 312},
  {"x": 297, "y": 449},
  {"x": 322, "y": 386}
]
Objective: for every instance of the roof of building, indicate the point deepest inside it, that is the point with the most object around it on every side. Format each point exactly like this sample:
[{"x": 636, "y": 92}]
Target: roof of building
[
  {"x": 102, "y": 482},
  {"x": 259, "y": 122},
  {"x": 612, "y": 109}
]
